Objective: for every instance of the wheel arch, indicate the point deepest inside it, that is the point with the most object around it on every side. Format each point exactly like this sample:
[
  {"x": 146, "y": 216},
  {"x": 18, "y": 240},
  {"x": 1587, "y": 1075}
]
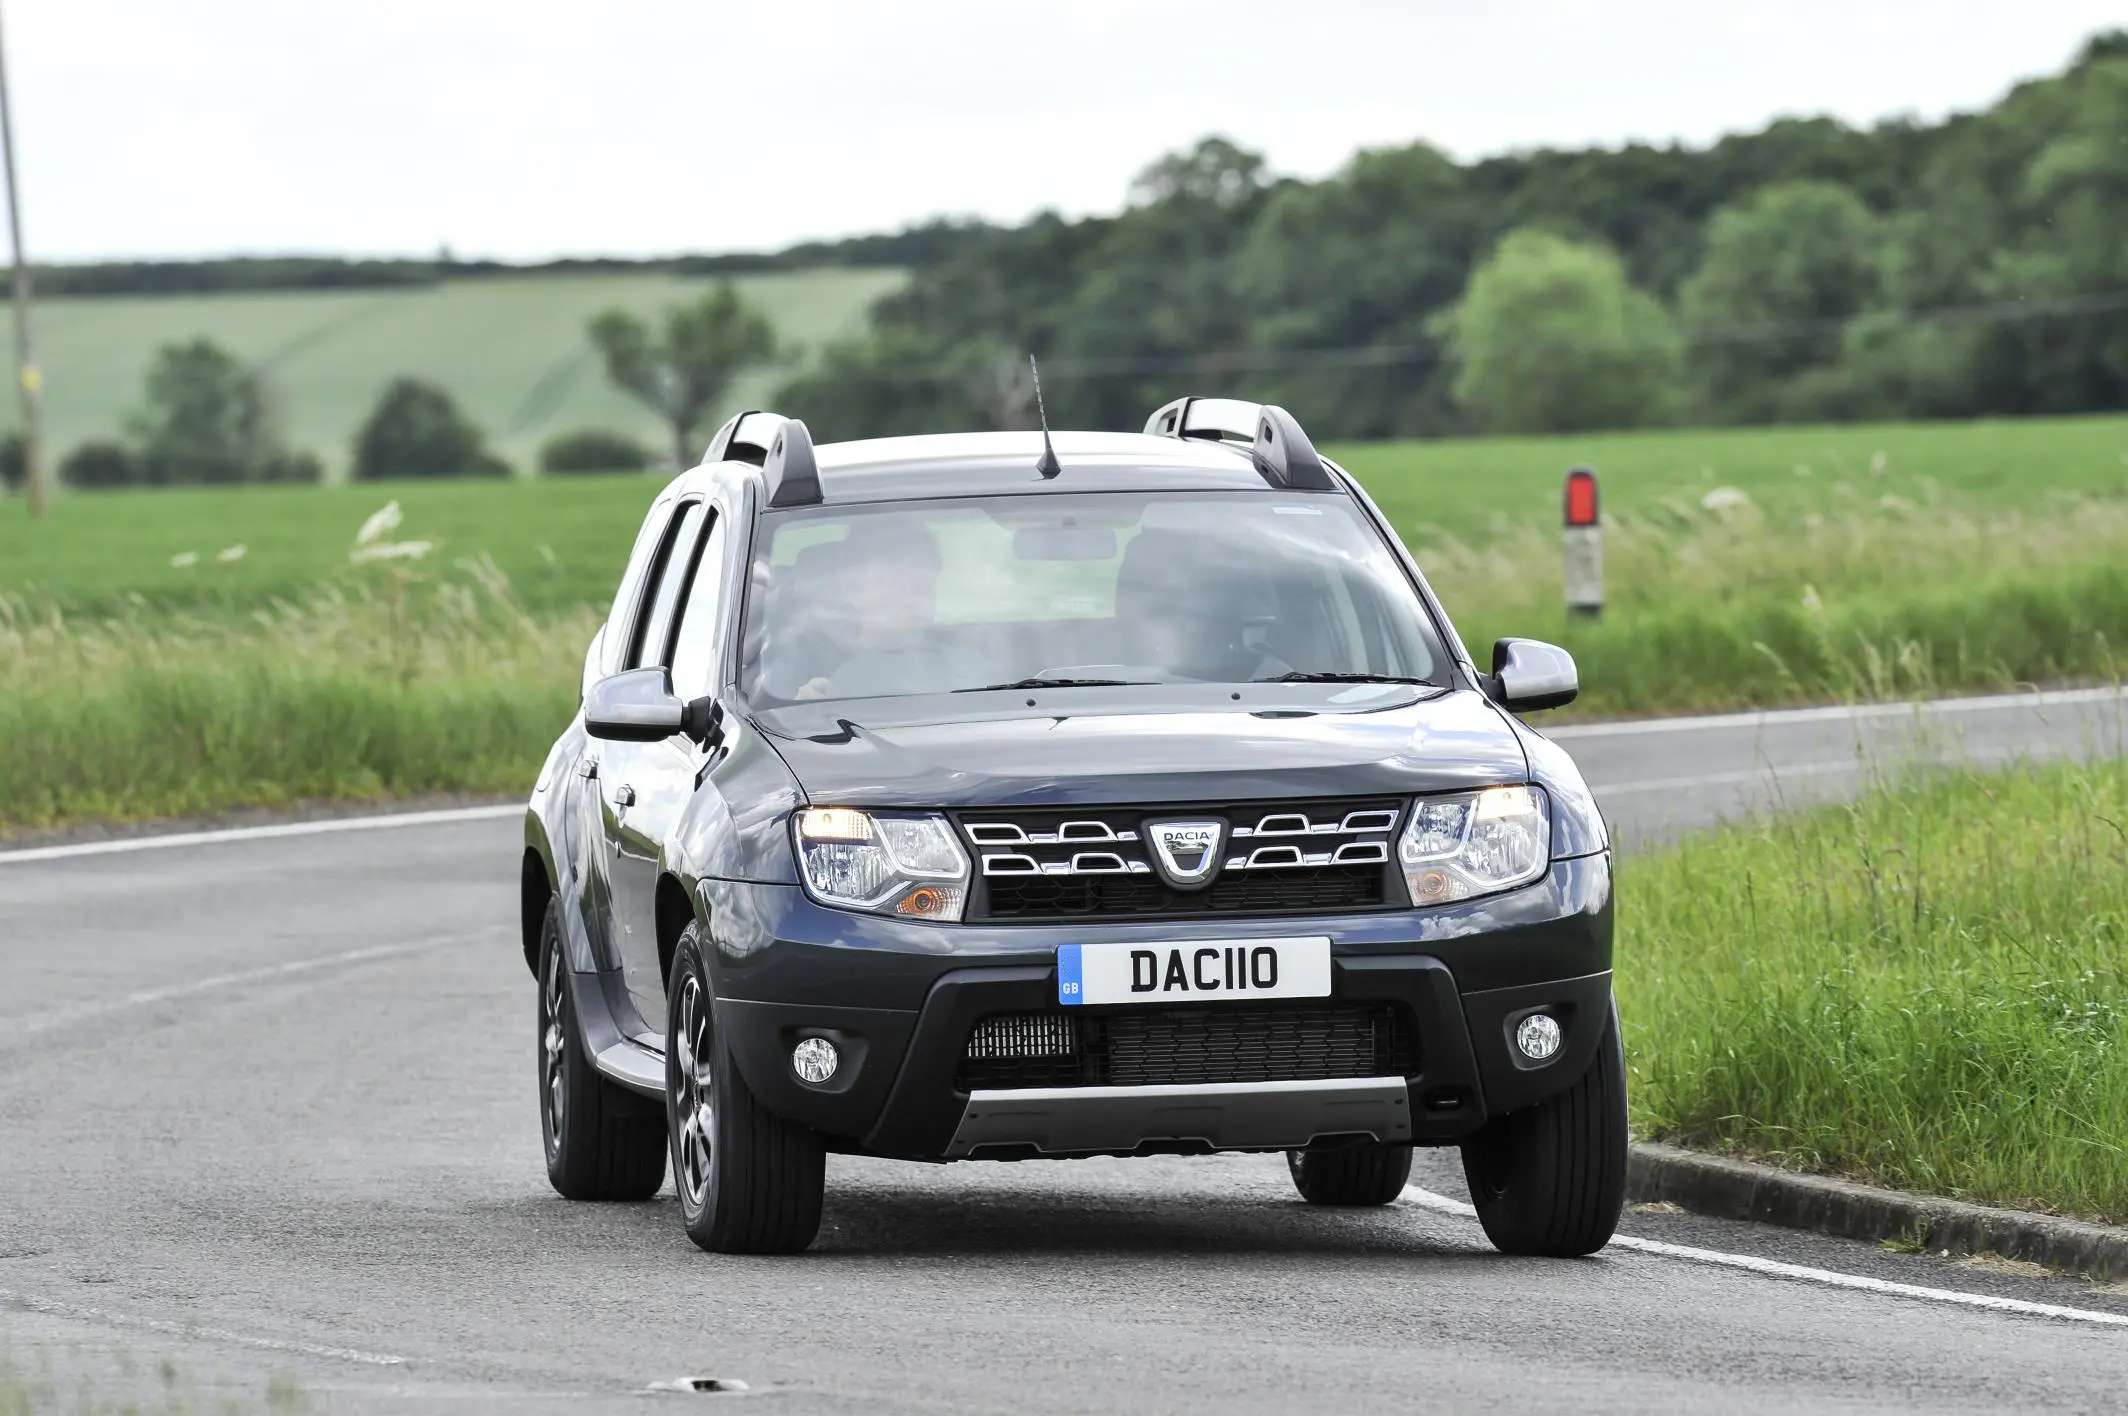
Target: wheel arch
[
  {"x": 535, "y": 890},
  {"x": 675, "y": 910}
]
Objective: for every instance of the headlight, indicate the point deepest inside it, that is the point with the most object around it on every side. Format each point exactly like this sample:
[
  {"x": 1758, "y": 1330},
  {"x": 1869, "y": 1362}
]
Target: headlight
[
  {"x": 1474, "y": 843},
  {"x": 905, "y": 864}
]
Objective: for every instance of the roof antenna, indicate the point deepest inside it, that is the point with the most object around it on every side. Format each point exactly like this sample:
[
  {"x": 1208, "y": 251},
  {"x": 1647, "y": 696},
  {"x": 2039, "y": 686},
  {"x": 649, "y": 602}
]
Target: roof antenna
[{"x": 1047, "y": 464}]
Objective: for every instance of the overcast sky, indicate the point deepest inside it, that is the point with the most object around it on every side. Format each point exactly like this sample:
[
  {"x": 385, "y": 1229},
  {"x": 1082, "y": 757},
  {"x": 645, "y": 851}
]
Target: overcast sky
[{"x": 526, "y": 128}]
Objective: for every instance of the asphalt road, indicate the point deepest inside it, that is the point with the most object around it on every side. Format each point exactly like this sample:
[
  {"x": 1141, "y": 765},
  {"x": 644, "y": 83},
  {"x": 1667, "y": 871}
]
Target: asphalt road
[{"x": 267, "y": 1107}]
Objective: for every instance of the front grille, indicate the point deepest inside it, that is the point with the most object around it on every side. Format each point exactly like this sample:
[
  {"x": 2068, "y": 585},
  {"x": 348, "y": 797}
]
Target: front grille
[
  {"x": 1275, "y": 858},
  {"x": 1264, "y": 1042}
]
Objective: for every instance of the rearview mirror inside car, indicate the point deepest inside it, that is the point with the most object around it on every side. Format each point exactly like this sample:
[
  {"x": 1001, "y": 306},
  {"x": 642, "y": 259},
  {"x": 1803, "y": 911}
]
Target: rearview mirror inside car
[
  {"x": 1530, "y": 674},
  {"x": 1064, "y": 543},
  {"x": 636, "y": 706}
]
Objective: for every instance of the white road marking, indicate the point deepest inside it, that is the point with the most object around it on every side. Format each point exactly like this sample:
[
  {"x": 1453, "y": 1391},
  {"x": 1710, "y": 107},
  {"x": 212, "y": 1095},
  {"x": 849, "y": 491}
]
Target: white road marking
[
  {"x": 191, "y": 1331},
  {"x": 66, "y": 1017},
  {"x": 1774, "y": 1268},
  {"x": 264, "y": 833},
  {"x": 1773, "y": 718},
  {"x": 1769, "y": 775}
]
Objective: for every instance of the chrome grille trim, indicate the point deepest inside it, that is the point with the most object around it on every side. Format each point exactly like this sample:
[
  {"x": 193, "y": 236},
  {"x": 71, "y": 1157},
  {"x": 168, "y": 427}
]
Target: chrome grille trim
[{"x": 1048, "y": 844}]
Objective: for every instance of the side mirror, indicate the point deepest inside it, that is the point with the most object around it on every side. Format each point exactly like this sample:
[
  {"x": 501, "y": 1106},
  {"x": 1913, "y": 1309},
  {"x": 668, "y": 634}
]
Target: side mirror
[
  {"x": 1530, "y": 674},
  {"x": 636, "y": 706}
]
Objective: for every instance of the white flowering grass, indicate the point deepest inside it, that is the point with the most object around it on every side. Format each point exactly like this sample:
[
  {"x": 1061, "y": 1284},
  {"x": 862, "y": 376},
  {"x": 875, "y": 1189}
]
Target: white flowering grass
[{"x": 1928, "y": 989}]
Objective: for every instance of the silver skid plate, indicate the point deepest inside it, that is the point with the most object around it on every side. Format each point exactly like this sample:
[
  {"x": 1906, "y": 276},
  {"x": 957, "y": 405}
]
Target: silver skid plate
[{"x": 1225, "y": 1116}]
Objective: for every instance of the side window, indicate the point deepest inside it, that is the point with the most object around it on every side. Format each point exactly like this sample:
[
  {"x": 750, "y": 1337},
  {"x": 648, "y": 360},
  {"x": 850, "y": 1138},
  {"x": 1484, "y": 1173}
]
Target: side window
[
  {"x": 694, "y": 654},
  {"x": 649, "y": 542},
  {"x": 676, "y": 561}
]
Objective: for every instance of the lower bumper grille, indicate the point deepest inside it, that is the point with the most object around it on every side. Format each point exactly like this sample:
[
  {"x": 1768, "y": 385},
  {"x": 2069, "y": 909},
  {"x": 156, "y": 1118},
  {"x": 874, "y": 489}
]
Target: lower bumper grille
[{"x": 1184, "y": 1046}]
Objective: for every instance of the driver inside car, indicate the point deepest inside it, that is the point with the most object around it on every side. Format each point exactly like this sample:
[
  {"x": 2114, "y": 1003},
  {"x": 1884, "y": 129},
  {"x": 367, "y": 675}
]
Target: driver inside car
[{"x": 870, "y": 604}]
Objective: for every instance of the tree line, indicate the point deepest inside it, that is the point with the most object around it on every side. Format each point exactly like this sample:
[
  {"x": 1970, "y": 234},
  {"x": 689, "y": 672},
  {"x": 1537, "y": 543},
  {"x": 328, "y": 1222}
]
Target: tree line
[
  {"x": 916, "y": 245},
  {"x": 1806, "y": 271}
]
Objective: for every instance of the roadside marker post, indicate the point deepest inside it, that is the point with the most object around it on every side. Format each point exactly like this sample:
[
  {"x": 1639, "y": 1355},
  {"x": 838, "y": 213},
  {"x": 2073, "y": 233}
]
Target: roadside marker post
[{"x": 1584, "y": 544}]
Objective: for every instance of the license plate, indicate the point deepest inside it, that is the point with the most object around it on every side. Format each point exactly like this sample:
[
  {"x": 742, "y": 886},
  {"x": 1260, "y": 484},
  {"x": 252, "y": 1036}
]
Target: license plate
[{"x": 1203, "y": 971}]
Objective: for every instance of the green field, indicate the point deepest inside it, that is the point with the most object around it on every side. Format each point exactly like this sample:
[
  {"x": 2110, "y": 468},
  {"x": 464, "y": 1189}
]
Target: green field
[
  {"x": 1905, "y": 560},
  {"x": 511, "y": 349},
  {"x": 1927, "y": 990}
]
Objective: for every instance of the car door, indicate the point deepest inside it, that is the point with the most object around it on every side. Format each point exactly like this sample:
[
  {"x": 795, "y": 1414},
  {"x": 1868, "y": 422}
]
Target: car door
[
  {"x": 644, "y": 785},
  {"x": 590, "y": 854}
]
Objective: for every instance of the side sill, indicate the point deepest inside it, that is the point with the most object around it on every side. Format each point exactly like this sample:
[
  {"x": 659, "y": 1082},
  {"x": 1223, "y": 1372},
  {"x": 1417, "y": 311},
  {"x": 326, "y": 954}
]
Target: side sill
[{"x": 634, "y": 1066}]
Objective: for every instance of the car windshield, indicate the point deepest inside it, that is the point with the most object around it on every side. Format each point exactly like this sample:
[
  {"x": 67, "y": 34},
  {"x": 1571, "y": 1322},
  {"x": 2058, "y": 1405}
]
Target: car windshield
[{"x": 895, "y": 598}]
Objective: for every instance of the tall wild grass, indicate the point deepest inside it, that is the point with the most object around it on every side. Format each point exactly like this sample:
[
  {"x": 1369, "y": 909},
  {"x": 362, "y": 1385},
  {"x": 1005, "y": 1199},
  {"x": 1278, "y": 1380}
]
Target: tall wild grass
[
  {"x": 389, "y": 676},
  {"x": 1724, "y": 607},
  {"x": 1926, "y": 989},
  {"x": 371, "y": 686}
]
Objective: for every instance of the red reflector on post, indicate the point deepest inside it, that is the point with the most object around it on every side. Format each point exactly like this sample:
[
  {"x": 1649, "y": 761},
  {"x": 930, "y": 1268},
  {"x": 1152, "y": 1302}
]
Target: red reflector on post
[{"x": 1581, "y": 497}]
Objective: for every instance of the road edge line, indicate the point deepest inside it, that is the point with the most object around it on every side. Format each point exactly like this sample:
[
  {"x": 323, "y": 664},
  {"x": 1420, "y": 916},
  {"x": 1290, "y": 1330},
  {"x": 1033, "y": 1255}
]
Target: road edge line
[
  {"x": 1840, "y": 712},
  {"x": 273, "y": 831},
  {"x": 1722, "y": 1188},
  {"x": 1805, "y": 1273}
]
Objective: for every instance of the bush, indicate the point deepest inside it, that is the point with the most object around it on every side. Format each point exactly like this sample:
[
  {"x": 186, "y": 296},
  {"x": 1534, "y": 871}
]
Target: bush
[
  {"x": 416, "y": 430},
  {"x": 593, "y": 450},
  {"x": 287, "y": 467},
  {"x": 14, "y": 463},
  {"x": 99, "y": 466}
]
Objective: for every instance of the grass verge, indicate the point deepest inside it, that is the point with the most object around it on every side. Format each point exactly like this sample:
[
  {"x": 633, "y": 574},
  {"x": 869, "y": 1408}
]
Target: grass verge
[
  {"x": 1927, "y": 989},
  {"x": 362, "y": 690}
]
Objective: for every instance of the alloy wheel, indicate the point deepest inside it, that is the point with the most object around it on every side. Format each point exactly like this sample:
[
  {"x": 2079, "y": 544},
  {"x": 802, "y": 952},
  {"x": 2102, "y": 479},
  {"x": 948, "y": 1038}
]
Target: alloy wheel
[
  {"x": 692, "y": 1095},
  {"x": 553, "y": 1044}
]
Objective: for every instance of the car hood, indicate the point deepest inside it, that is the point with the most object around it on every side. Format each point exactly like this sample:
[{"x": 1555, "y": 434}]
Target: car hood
[{"x": 1145, "y": 745}]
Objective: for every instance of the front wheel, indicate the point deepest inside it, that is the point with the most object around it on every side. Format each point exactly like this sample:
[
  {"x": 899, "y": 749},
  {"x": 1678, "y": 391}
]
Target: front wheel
[
  {"x": 603, "y": 1141},
  {"x": 1550, "y": 1179},
  {"x": 749, "y": 1181}
]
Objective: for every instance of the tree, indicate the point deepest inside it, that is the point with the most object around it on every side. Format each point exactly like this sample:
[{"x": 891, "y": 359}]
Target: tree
[
  {"x": 416, "y": 430},
  {"x": 593, "y": 450},
  {"x": 1784, "y": 271},
  {"x": 206, "y": 419},
  {"x": 684, "y": 370},
  {"x": 1550, "y": 336}
]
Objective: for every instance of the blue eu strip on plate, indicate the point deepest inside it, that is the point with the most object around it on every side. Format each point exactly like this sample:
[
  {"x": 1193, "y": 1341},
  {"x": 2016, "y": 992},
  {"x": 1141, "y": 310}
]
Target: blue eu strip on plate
[{"x": 1070, "y": 983}]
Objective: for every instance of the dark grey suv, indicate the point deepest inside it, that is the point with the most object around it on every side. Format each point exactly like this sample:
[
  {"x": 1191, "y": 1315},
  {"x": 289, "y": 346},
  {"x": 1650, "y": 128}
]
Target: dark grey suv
[{"x": 982, "y": 797}]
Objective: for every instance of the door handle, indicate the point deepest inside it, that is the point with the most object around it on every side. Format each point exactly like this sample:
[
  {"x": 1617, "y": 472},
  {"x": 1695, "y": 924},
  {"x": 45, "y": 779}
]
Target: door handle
[
  {"x": 588, "y": 769},
  {"x": 624, "y": 796}
]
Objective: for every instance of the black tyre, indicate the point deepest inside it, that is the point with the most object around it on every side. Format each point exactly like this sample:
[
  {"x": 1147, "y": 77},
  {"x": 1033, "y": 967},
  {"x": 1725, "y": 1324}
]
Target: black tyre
[
  {"x": 1551, "y": 1178},
  {"x": 749, "y": 1182},
  {"x": 1371, "y": 1173},
  {"x": 603, "y": 1141}
]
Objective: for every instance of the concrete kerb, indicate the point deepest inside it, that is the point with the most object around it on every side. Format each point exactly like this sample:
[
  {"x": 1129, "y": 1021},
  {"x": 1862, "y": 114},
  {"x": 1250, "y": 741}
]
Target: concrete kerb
[{"x": 1734, "y": 1189}]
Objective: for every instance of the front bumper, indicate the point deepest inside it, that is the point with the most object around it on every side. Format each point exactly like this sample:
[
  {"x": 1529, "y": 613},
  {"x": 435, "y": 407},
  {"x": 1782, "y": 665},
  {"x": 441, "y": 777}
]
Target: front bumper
[{"x": 899, "y": 1000}]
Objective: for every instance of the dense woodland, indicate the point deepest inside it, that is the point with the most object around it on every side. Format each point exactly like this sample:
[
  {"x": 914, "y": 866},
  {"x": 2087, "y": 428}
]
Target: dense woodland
[{"x": 1810, "y": 270}]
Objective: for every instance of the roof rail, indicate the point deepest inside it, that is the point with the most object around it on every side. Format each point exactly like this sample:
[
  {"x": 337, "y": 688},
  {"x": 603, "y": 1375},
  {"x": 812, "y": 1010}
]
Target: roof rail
[
  {"x": 1277, "y": 444},
  {"x": 792, "y": 474},
  {"x": 745, "y": 437}
]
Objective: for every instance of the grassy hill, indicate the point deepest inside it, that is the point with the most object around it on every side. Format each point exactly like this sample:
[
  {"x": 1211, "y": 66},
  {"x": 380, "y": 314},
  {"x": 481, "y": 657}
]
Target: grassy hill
[{"x": 512, "y": 350}]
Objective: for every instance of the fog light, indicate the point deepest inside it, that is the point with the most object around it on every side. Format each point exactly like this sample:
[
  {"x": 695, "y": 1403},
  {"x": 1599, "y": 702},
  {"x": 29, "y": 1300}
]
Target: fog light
[
  {"x": 1538, "y": 1036},
  {"x": 815, "y": 1060}
]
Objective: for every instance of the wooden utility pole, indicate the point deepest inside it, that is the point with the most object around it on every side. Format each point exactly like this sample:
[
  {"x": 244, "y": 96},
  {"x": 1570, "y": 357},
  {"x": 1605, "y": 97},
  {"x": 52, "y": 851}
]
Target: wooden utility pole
[{"x": 29, "y": 378}]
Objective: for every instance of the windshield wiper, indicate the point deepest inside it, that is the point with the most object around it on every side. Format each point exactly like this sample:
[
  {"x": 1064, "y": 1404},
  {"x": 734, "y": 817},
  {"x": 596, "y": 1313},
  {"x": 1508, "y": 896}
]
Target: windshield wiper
[
  {"x": 1310, "y": 676},
  {"x": 1054, "y": 683}
]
